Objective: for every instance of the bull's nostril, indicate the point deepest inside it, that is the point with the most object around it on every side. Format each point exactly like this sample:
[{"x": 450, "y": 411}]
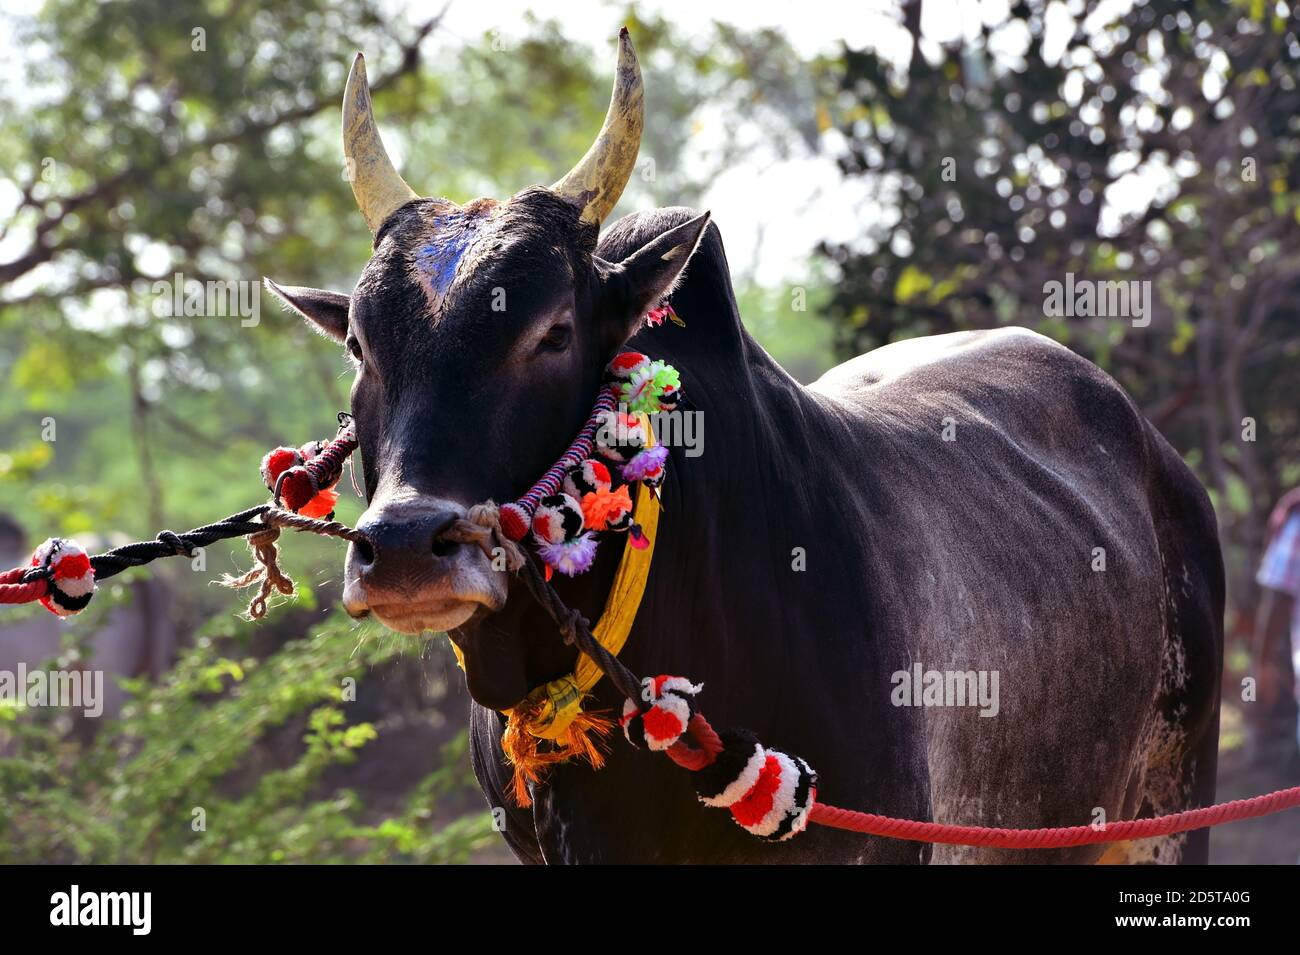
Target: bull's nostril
[
  {"x": 364, "y": 551},
  {"x": 443, "y": 547}
]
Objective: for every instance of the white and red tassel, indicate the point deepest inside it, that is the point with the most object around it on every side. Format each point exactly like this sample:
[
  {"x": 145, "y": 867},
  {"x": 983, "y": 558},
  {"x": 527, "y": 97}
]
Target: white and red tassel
[
  {"x": 769, "y": 793},
  {"x": 663, "y": 722},
  {"x": 71, "y": 579},
  {"x": 558, "y": 533}
]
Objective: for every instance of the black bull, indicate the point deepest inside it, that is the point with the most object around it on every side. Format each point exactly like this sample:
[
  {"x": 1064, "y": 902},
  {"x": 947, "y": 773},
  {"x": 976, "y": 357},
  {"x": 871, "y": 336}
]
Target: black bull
[{"x": 948, "y": 496}]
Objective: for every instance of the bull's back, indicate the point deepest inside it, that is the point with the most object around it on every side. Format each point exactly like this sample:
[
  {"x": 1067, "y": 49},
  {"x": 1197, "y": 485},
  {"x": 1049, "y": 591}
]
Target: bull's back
[{"x": 1009, "y": 484}]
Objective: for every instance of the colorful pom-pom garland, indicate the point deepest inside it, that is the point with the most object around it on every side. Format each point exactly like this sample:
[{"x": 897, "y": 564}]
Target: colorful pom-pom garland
[
  {"x": 303, "y": 479},
  {"x": 558, "y": 533},
  {"x": 517, "y": 516},
  {"x": 578, "y": 496}
]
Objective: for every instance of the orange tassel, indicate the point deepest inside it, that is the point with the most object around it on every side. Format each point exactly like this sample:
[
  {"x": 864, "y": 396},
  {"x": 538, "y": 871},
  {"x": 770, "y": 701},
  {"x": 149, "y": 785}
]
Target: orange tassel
[
  {"x": 320, "y": 505},
  {"x": 598, "y": 507},
  {"x": 581, "y": 740}
]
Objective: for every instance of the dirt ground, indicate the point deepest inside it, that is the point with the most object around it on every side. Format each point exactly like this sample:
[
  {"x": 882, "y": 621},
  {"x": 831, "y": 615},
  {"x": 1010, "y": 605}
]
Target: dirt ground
[{"x": 1270, "y": 840}]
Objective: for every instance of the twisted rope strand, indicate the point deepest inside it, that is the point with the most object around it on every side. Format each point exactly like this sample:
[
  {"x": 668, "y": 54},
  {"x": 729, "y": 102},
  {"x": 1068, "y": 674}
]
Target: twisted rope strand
[
  {"x": 871, "y": 824},
  {"x": 260, "y": 525},
  {"x": 14, "y": 589}
]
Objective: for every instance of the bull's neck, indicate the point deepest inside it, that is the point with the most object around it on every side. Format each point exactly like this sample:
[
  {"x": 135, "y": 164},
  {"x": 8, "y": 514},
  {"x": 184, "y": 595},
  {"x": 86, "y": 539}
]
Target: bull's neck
[{"x": 730, "y": 468}]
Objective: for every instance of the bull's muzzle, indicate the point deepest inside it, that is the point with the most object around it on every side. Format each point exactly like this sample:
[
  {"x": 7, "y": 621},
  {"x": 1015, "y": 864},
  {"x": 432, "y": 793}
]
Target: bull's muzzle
[{"x": 410, "y": 575}]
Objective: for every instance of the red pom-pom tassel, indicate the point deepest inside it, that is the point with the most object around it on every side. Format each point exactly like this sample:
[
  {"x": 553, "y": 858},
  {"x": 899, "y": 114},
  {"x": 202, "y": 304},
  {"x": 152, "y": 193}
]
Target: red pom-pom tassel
[{"x": 514, "y": 522}]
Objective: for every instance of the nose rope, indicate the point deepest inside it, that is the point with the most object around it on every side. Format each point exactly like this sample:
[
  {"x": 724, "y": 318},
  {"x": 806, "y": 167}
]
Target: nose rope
[
  {"x": 481, "y": 526},
  {"x": 260, "y": 525}
]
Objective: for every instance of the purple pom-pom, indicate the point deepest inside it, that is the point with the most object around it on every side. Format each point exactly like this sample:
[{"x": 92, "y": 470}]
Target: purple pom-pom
[
  {"x": 645, "y": 463},
  {"x": 570, "y": 557}
]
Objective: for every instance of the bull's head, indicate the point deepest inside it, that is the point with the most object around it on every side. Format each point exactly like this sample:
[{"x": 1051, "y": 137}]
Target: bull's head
[{"x": 479, "y": 335}]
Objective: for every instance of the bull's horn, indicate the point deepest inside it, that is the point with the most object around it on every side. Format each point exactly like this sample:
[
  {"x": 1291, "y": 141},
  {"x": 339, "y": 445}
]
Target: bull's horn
[
  {"x": 379, "y": 189},
  {"x": 600, "y": 176}
]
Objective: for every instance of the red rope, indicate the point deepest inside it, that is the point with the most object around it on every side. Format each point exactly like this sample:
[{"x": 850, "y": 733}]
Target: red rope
[
  {"x": 872, "y": 825},
  {"x": 708, "y": 745},
  {"x": 13, "y": 591}
]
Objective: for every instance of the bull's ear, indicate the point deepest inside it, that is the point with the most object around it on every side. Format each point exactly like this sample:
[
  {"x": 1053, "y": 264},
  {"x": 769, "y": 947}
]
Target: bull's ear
[
  {"x": 639, "y": 282},
  {"x": 327, "y": 311}
]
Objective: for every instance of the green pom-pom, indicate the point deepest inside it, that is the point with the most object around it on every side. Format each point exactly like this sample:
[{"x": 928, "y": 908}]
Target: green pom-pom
[{"x": 643, "y": 389}]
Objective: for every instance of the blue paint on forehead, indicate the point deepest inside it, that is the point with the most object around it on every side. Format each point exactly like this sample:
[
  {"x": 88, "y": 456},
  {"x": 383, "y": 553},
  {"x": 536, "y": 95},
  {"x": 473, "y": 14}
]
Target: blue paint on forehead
[{"x": 439, "y": 258}]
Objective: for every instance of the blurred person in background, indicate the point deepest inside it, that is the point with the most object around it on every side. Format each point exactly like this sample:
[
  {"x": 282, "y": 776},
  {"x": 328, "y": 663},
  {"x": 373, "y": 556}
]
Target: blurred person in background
[{"x": 1277, "y": 636}]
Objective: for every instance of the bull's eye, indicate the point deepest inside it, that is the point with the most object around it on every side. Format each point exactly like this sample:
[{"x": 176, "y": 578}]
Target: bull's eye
[
  {"x": 354, "y": 347},
  {"x": 556, "y": 339}
]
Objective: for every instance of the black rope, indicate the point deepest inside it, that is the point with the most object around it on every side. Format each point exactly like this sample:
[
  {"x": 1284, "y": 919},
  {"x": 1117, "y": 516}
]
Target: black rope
[
  {"x": 169, "y": 544},
  {"x": 574, "y": 624}
]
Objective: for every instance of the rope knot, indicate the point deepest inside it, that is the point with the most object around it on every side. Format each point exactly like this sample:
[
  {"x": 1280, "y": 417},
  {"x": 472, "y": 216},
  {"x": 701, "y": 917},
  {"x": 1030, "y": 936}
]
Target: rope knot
[
  {"x": 176, "y": 543},
  {"x": 482, "y": 525},
  {"x": 267, "y": 569},
  {"x": 572, "y": 624}
]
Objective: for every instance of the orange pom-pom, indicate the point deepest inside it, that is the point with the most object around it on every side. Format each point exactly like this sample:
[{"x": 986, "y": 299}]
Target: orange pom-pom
[
  {"x": 321, "y": 505},
  {"x": 600, "y": 509}
]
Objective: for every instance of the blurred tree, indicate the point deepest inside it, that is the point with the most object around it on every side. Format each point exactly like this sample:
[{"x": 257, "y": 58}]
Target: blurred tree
[
  {"x": 154, "y": 139},
  {"x": 1157, "y": 142}
]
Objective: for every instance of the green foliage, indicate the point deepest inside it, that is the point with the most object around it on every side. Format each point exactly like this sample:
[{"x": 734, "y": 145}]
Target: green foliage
[
  {"x": 1158, "y": 144},
  {"x": 194, "y": 744},
  {"x": 786, "y": 321}
]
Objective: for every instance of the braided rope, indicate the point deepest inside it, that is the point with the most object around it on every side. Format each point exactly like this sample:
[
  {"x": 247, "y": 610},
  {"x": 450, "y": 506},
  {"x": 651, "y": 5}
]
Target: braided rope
[
  {"x": 297, "y": 485},
  {"x": 260, "y": 525},
  {"x": 168, "y": 544},
  {"x": 871, "y": 824},
  {"x": 14, "y": 589},
  {"x": 519, "y": 513},
  {"x": 26, "y": 584}
]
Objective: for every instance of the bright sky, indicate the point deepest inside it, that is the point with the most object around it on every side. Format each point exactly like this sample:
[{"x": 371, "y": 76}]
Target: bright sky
[
  {"x": 805, "y": 201},
  {"x": 804, "y": 197}
]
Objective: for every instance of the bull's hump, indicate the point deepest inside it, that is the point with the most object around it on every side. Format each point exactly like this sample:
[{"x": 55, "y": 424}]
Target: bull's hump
[{"x": 910, "y": 362}]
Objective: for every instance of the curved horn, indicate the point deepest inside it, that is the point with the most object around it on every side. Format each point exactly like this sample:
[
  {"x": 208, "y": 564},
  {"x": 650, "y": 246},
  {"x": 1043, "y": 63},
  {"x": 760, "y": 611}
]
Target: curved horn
[
  {"x": 379, "y": 189},
  {"x": 601, "y": 174}
]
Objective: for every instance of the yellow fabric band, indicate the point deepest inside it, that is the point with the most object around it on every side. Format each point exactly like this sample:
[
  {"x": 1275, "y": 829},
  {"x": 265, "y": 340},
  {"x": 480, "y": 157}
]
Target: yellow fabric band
[{"x": 561, "y": 699}]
